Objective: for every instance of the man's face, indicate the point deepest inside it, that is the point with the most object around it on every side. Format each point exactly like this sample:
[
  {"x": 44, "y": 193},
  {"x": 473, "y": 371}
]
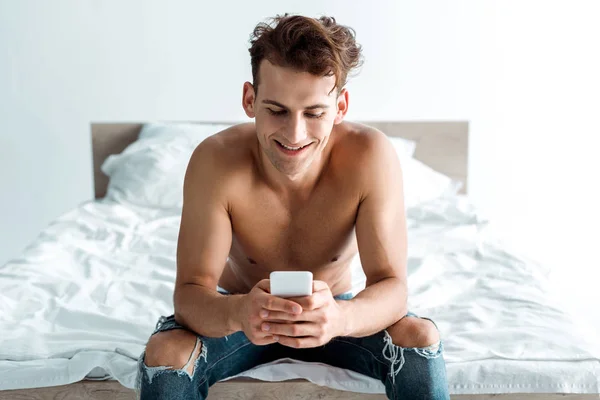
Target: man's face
[{"x": 294, "y": 114}]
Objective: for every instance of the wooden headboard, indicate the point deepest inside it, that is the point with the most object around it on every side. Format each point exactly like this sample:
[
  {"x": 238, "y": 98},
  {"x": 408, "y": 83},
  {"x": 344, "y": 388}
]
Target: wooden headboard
[{"x": 441, "y": 145}]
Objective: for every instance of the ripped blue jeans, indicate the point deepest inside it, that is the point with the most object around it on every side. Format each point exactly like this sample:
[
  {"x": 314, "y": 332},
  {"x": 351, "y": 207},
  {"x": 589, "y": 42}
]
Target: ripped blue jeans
[{"x": 406, "y": 372}]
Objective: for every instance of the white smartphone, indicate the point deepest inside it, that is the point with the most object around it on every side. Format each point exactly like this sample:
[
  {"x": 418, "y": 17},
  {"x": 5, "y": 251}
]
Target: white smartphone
[{"x": 291, "y": 283}]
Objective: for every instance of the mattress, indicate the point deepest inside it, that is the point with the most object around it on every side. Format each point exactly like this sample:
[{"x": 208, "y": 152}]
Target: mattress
[{"x": 83, "y": 298}]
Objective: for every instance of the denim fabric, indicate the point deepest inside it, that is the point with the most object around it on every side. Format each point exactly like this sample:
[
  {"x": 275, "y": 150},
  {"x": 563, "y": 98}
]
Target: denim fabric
[{"x": 407, "y": 373}]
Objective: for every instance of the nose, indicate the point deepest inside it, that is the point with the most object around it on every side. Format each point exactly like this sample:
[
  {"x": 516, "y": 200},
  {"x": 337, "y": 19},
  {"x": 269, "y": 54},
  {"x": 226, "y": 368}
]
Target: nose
[{"x": 296, "y": 133}]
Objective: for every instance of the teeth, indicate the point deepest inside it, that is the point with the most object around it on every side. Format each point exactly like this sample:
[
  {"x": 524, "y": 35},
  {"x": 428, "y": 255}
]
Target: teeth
[{"x": 291, "y": 148}]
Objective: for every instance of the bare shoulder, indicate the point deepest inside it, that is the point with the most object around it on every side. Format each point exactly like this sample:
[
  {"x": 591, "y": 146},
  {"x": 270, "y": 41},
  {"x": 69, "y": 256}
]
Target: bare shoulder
[
  {"x": 225, "y": 151},
  {"x": 221, "y": 158},
  {"x": 363, "y": 147},
  {"x": 226, "y": 145}
]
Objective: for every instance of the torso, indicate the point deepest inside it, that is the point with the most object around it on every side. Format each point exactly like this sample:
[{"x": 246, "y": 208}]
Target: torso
[{"x": 270, "y": 233}]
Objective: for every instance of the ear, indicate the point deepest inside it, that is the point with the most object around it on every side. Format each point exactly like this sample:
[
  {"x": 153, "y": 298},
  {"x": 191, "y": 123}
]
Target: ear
[
  {"x": 342, "y": 106},
  {"x": 248, "y": 98}
]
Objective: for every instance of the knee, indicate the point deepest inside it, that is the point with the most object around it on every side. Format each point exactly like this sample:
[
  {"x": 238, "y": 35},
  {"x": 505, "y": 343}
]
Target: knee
[
  {"x": 414, "y": 332},
  {"x": 173, "y": 348}
]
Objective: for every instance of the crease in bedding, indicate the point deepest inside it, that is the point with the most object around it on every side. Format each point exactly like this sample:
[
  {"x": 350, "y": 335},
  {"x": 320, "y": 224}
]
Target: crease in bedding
[{"x": 83, "y": 298}]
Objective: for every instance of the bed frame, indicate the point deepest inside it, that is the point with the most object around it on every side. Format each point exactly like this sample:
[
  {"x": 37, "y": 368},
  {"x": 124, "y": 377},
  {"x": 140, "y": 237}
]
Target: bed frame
[{"x": 442, "y": 145}]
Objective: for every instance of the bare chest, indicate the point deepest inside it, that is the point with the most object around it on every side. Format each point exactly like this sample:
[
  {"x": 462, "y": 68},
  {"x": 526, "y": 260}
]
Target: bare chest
[{"x": 275, "y": 236}]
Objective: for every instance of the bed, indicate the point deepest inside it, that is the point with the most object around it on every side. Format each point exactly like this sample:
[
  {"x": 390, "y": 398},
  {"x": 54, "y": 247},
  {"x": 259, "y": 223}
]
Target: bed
[{"x": 99, "y": 276}]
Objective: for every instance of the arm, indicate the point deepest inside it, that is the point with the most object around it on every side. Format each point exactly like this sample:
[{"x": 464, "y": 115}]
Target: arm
[
  {"x": 205, "y": 238},
  {"x": 203, "y": 246},
  {"x": 382, "y": 243}
]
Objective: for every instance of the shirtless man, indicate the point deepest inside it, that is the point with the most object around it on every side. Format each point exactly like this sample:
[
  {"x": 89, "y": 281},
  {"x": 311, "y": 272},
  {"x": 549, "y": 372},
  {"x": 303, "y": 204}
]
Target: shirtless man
[{"x": 298, "y": 189}]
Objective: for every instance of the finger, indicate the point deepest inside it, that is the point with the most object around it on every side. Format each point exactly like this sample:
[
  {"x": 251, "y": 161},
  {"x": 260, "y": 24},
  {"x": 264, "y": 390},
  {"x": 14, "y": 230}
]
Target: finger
[
  {"x": 274, "y": 316},
  {"x": 292, "y": 330},
  {"x": 270, "y": 339},
  {"x": 299, "y": 343},
  {"x": 274, "y": 303},
  {"x": 265, "y": 285},
  {"x": 320, "y": 285},
  {"x": 304, "y": 301},
  {"x": 317, "y": 300},
  {"x": 262, "y": 337}
]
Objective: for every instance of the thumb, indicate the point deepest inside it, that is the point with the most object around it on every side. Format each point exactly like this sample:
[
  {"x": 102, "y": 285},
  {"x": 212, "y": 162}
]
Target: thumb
[
  {"x": 320, "y": 285},
  {"x": 265, "y": 285}
]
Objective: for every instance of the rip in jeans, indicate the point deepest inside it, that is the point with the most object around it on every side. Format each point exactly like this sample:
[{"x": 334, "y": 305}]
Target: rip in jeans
[
  {"x": 391, "y": 352},
  {"x": 151, "y": 372}
]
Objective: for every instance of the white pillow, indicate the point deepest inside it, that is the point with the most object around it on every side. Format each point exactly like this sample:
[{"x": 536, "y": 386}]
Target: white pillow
[
  {"x": 404, "y": 147},
  {"x": 151, "y": 170},
  {"x": 422, "y": 183}
]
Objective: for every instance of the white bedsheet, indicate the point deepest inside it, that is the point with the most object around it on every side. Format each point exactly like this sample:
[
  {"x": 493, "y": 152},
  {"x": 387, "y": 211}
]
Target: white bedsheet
[{"x": 85, "y": 295}]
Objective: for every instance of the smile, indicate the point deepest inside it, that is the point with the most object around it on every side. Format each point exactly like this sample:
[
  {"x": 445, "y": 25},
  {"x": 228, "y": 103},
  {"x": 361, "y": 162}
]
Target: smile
[{"x": 292, "y": 150}]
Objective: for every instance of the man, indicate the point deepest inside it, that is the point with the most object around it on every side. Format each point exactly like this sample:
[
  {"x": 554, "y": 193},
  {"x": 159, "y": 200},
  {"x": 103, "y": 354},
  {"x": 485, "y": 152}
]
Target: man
[{"x": 299, "y": 189}]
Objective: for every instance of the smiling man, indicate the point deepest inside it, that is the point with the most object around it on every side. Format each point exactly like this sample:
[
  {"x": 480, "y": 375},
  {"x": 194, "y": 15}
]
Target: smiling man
[{"x": 297, "y": 189}]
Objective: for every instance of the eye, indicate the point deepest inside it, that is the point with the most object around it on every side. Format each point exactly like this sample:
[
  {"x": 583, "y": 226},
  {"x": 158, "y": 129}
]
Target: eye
[
  {"x": 273, "y": 112},
  {"x": 283, "y": 112}
]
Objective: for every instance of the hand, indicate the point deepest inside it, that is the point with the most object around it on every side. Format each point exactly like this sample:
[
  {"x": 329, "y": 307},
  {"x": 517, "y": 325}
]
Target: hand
[
  {"x": 258, "y": 300},
  {"x": 320, "y": 321}
]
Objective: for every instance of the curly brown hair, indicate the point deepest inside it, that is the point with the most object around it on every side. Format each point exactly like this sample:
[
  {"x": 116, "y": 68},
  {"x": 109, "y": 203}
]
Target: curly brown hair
[{"x": 319, "y": 46}]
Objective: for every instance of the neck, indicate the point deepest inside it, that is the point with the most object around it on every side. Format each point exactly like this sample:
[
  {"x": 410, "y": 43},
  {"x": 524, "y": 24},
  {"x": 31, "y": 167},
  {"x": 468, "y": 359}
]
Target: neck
[{"x": 299, "y": 186}]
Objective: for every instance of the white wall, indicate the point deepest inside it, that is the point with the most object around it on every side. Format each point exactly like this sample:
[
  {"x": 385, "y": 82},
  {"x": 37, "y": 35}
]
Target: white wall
[
  {"x": 540, "y": 112},
  {"x": 523, "y": 72},
  {"x": 66, "y": 63}
]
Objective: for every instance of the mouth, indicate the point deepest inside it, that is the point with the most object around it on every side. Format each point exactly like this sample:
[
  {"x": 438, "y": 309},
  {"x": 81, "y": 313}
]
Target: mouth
[{"x": 292, "y": 150}]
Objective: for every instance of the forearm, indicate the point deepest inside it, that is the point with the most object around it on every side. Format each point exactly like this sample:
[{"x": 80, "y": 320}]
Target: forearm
[
  {"x": 206, "y": 311},
  {"x": 376, "y": 308}
]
